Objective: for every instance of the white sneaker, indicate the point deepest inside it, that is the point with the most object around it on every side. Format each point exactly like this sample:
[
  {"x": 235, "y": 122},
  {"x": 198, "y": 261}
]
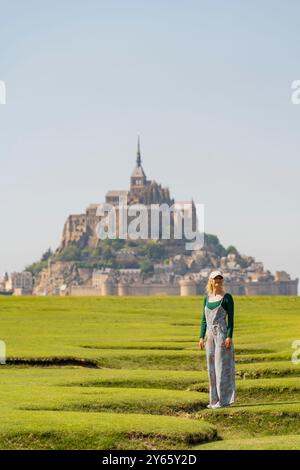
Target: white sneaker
[
  {"x": 209, "y": 406},
  {"x": 216, "y": 406}
]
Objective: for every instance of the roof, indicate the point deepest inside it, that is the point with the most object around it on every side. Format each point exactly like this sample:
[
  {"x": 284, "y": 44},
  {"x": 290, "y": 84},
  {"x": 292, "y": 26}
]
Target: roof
[{"x": 138, "y": 172}]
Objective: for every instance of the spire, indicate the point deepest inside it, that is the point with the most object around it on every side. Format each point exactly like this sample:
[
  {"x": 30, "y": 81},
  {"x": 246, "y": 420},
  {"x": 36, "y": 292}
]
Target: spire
[
  {"x": 138, "y": 158},
  {"x": 138, "y": 172}
]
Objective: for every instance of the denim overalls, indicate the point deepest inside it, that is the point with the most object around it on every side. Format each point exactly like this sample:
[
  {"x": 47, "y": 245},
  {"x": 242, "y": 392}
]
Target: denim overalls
[{"x": 220, "y": 360}]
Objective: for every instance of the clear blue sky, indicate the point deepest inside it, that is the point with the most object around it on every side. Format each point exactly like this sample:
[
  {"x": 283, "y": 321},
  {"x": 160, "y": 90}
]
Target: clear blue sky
[{"x": 207, "y": 86}]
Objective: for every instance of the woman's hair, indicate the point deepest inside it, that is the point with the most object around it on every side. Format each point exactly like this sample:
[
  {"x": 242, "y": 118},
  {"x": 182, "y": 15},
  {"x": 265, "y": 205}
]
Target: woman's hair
[{"x": 209, "y": 286}]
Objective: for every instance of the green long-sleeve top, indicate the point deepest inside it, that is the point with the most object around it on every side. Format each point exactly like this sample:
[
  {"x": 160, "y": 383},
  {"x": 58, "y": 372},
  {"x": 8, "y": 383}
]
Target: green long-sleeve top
[{"x": 228, "y": 304}]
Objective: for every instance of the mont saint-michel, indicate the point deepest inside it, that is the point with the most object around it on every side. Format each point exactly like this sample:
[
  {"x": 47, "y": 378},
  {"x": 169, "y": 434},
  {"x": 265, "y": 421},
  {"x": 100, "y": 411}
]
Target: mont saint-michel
[{"x": 83, "y": 264}]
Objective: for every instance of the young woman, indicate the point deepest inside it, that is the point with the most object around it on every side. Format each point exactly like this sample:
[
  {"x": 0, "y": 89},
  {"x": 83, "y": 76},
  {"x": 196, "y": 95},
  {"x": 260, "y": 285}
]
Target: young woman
[{"x": 219, "y": 345}]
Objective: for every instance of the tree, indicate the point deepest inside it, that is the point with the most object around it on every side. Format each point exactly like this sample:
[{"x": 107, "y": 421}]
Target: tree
[
  {"x": 211, "y": 239},
  {"x": 232, "y": 250},
  {"x": 46, "y": 255},
  {"x": 152, "y": 250},
  {"x": 117, "y": 243},
  {"x": 36, "y": 268},
  {"x": 70, "y": 253},
  {"x": 146, "y": 266}
]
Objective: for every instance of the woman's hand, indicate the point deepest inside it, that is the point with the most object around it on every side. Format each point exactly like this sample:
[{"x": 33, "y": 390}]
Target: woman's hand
[
  {"x": 201, "y": 343},
  {"x": 228, "y": 342}
]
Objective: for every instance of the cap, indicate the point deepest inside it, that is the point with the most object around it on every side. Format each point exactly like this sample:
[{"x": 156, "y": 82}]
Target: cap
[{"x": 214, "y": 274}]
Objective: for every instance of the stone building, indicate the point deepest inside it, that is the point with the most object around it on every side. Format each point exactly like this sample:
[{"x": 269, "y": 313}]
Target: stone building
[
  {"x": 20, "y": 283},
  {"x": 82, "y": 228}
]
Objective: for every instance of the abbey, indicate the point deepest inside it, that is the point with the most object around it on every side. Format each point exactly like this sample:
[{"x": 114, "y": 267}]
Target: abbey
[{"x": 81, "y": 228}]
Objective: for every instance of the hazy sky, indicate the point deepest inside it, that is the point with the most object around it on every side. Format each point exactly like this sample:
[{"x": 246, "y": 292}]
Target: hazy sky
[{"x": 206, "y": 85}]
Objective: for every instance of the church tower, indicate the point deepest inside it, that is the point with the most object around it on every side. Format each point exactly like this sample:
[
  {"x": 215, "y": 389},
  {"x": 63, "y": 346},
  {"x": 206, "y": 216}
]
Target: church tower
[{"x": 138, "y": 178}]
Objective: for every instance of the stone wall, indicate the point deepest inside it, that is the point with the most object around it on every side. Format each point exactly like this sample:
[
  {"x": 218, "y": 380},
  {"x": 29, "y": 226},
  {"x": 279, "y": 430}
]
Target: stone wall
[
  {"x": 74, "y": 229},
  {"x": 84, "y": 291},
  {"x": 122, "y": 289},
  {"x": 148, "y": 289},
  {"x": 272, "y": 288},
  {"x": 184, "y": 288}
]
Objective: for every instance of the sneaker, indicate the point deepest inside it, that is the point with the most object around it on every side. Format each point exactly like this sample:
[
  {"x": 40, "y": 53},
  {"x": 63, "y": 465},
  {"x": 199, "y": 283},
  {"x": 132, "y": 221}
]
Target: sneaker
[
  {"x": 216, "y": 406},
  {"x": 209, "y": 406}
]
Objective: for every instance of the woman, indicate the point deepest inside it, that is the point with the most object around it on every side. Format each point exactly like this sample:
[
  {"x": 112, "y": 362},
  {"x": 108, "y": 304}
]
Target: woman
[{"x": 219, "y": 345}]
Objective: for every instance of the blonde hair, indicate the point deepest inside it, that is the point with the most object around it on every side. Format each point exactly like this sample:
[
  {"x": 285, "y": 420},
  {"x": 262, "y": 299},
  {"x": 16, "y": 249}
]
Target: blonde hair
[{"x": 209, "y": 286}]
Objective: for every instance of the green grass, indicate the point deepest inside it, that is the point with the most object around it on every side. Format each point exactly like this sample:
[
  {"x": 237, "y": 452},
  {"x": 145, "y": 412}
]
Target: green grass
[
  {"x": 45, "y": 429},
  {"x": 282, "y": 442},
  {"x": 126, "y": 373}
]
